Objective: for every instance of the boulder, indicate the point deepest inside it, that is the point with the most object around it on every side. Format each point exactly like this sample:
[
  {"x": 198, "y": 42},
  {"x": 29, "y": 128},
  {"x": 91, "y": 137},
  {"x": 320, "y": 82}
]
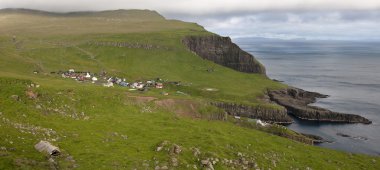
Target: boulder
[
  {"x": 176, "y": 149},
  {"x": 15, "y": 97},
  {"x": 47, "y": 147}
]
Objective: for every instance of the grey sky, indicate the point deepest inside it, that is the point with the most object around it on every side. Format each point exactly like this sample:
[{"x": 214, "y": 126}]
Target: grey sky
[{"x": 310, "y": 19}]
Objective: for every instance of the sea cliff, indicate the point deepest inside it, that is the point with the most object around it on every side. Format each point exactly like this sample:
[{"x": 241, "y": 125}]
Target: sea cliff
[{"x": 223, "y": 51}]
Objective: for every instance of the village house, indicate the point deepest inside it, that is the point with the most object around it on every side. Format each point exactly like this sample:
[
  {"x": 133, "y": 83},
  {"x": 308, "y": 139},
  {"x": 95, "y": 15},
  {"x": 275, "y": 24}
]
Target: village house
[
  {"x": 80, "y": 78},
  {"x": 159, "y": 85},
  {"x": 94, "y": 79},
  {"x": 108, "y": 84},
  {"x": 88, "y": 76},
  {"x": 124, "y": 84},
  {"x": 137, "y": 85}
]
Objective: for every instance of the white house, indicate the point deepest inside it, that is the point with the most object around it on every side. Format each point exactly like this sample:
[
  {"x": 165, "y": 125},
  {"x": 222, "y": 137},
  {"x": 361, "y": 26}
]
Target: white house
[
  {"x": 159, "y": 85},
  {"x": 140, "y": 86},
  {"x": 109, "y": 84},
  {"x": 94, "y": 79},
  {"x": 88, "y": 75}
]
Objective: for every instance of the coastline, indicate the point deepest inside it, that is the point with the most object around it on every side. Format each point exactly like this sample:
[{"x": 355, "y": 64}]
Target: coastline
[
  {"x": 332, "y": 68},
  {"x": 223, "y": 51}
]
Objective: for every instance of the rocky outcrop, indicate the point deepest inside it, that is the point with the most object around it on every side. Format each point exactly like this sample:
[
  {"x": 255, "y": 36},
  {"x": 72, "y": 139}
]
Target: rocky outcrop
[
  {"x": 296, "y": 102},
  {"x": 278, "y": 116},
  {"x": 316, "y": 139},
  {"x": 222, "y": 51}
]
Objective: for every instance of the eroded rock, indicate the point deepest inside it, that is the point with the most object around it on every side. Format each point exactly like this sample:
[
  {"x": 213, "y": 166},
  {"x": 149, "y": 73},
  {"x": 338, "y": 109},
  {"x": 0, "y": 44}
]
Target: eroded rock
[
  {"x": 297, "y": 101},
  {"x": 270, "y": 115},
  {"x": 176, "y": 149}
]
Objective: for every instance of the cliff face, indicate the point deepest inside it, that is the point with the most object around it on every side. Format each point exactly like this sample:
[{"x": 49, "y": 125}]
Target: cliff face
[
  {"x": 267, "y": 115},
  {"x": 222, "y": 51},
  {"x": 296, "y": 102}
]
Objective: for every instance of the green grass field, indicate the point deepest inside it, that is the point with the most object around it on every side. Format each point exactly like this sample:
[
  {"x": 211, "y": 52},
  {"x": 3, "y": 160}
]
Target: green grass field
[{"x": 113, "y": 128}]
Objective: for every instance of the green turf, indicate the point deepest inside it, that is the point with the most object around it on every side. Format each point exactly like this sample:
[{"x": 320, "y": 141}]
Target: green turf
[{"x": 104, "y": 128}]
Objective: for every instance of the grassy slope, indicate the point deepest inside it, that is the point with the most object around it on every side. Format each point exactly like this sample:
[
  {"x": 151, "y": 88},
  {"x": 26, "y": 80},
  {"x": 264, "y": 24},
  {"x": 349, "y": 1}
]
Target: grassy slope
[{"x": 57, "y": 42}]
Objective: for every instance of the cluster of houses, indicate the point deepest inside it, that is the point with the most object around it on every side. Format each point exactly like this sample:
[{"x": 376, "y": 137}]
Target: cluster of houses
[
  {"x": 79, "y": 76},
  {"x": 107, "y": 81}
]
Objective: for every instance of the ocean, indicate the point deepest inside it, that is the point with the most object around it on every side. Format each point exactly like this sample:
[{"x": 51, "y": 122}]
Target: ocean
[{"x": 349, "y": 72}]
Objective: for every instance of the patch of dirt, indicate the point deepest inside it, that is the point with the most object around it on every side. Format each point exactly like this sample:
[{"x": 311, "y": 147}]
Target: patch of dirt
[
  {"x": 186, "y": 108},
  {"x": 31, "y": 95}
]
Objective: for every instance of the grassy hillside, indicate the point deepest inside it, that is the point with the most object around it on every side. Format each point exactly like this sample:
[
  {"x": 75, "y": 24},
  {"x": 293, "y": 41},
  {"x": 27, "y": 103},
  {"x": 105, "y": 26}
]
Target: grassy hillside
[{"x": 113, "y": 128}]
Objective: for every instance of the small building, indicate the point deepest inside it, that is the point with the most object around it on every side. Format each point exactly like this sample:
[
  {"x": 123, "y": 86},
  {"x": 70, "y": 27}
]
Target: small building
[
  {"x": 88, "y": 76},
  {"x": 133, "y": 85},
  {"x": 73, "y": 76},
  {"x": 137, "y": 85},
  {"x": 140, "y": 86},
  {"x": 118, "y": 80},
  {"x": 159, "y": 85},
  {"x": 150, "y": 83},
  {"x": 124, "y": 84},
  {"x": 94, "y": 79},
  {"x": 80, "y": 78},
  {"x": 109, "y": 84}
]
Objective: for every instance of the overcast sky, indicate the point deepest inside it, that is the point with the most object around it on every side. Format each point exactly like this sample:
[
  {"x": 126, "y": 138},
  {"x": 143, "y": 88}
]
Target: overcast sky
[{"x": 285, "y": 19}]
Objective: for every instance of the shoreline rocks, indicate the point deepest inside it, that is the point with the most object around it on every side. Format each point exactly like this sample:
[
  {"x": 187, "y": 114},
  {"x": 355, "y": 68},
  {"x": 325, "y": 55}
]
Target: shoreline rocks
[
  {"x": 297, "y": 101},
  {"x": 278, "y": 116},
  {"x": 352, "y": 137},
  {"x": 316, "y": 139}
]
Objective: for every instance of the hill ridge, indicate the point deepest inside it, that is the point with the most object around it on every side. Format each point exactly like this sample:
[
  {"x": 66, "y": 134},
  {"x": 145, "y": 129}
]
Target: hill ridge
[{"x": 102, "y": 13}]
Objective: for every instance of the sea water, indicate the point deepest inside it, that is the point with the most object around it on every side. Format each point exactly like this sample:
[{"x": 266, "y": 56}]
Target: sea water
[{"x": 349, "y": 72}]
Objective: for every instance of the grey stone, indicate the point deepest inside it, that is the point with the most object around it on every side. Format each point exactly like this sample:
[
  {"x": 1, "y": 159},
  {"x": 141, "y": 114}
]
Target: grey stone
[
  {"x": 15, "y": 97},
  {"x": 176, "y": 149},
  {"x": 174, "y": 161}
]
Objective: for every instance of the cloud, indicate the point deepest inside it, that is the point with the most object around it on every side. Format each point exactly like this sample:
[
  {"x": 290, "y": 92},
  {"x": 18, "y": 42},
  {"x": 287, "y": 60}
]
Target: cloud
[
  {"x": 326, "y": 25},
  {"x": 311, "y": 19}
]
